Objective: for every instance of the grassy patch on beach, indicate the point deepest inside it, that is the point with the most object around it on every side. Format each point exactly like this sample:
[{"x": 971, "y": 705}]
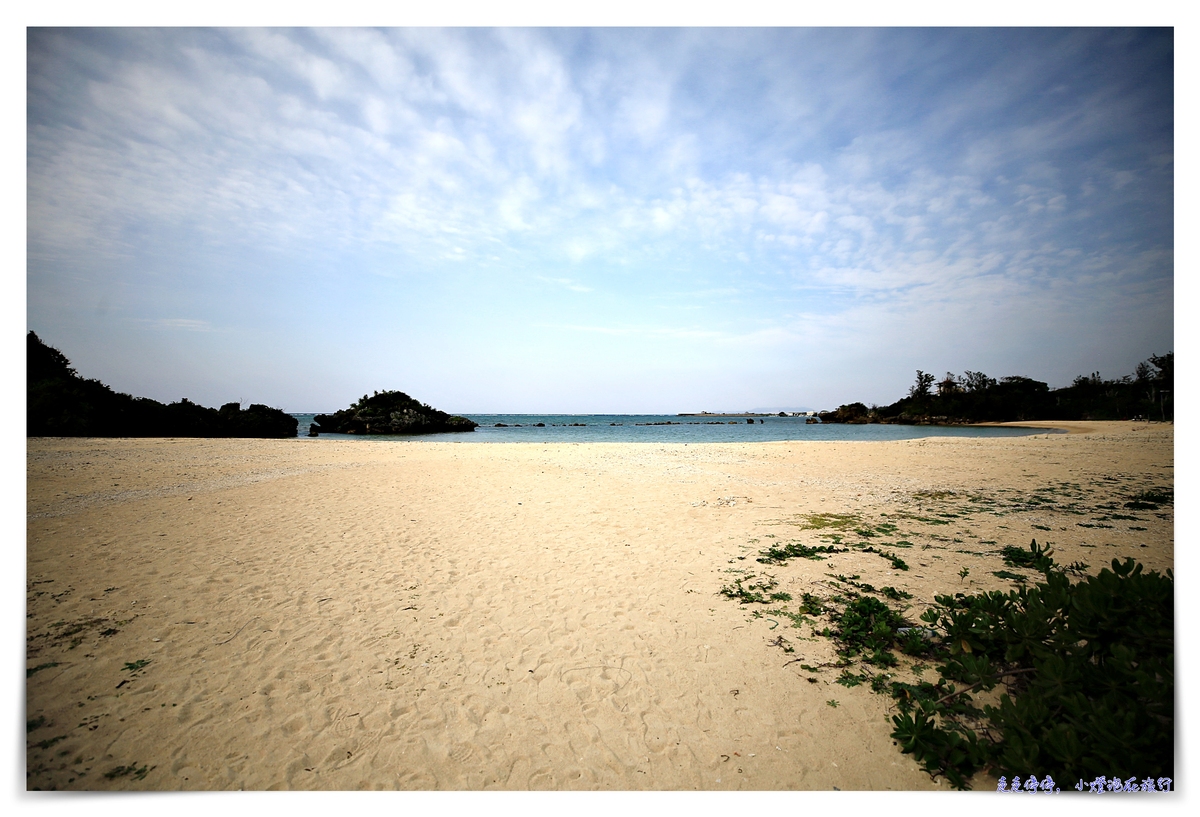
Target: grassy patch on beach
[
  {"x": 131, "y": 770},
  {"x": 941, "y": 507},
  {"x": 1151, "y": 499},
  {"x": 829, "y": 521},
  {"x": 70, "y": 634},
  {"x": 924, "y": 519},
  {"x": 32, "y": 671}
]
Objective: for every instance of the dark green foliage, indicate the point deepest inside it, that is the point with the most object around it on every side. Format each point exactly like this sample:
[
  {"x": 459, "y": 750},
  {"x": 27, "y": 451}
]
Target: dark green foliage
[
  {"x": 811, "y": 604},
  {"x": 748, "y": 591},
  {"x": 851, "y": 413},
  {"x": 132, "y": 769},
  {"x": 849, "y": 679},
  {"x": 867, "y": 626},
  {"x": 896, "y": 561},
  {"x": 920, "y": 389},
  {"x": 975, "y": 397},
  {"x": 1089, "y": 675},
  {"x": 1036, "y": 557},
  {"x": 31, "y": 671},
  {"x": 913, "y": 642},
  {"x": 391, "y": 412},
  {"x": 60, "y": 403},
  {"x": 256, "y": 421},
  {"x": 778, "y": 555},
  {"x": 948, "y": 748},
  {"x": 48, "y": 742},
  {"x": 1149, "y": 500}
]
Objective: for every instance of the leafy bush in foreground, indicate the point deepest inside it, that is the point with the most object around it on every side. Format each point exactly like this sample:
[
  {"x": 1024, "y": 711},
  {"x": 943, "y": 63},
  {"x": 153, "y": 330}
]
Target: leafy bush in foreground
[{"x": 1088, "y": 670}]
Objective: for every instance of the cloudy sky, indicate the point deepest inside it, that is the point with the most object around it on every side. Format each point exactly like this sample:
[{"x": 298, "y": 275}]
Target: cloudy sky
[{"x": 597, "y": 220}]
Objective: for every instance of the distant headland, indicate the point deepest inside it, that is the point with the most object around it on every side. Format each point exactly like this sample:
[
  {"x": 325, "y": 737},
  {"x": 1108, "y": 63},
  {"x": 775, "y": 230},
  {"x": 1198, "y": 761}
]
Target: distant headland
[
  {"x": 60, "y": 403},
  {"x": 976, "y": 398}
]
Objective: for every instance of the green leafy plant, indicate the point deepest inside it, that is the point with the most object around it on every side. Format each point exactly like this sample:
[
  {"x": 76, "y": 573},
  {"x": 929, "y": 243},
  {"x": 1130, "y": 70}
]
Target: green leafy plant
[
  {"x": 779, "y": 555},
  {"x": 811, "y": 604},
  {"x": 747, "y": 590},
  {"x": 897, "y": 562},
  {"x": 1087, "y": 670},
  {"x": 867, "y": 626},
  {"x": 1036, "y": 556},
  {"x": 850, "y": 679}
]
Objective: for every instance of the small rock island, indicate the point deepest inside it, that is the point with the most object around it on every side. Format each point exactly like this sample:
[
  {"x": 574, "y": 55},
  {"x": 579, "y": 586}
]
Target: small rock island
[{"x": 390, "y": 412}]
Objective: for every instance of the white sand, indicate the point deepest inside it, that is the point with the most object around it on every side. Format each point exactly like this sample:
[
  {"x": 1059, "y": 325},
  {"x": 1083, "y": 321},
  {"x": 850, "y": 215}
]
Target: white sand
[{"x": 319, "y": 614}]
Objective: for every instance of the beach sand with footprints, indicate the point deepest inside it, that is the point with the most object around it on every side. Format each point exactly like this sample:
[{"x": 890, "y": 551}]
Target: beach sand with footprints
[{"x": 293, "y": 614}]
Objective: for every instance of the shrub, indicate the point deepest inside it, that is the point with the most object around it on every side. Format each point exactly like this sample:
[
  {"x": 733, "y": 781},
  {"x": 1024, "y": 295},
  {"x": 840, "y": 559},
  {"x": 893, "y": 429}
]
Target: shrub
[{"x": 1088, "y": 670}]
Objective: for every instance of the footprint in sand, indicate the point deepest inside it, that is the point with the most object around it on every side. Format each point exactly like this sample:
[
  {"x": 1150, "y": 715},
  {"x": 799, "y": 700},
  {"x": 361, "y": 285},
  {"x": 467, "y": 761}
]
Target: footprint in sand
[
  {"x": 352, "y": 739},
  {"x": 592, "y": 684},
  {"x": 462, "y": 753}
]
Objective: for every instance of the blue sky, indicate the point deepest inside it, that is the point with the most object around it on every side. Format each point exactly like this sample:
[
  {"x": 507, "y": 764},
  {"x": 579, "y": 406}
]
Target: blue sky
[{"x": 607, "y": 220}]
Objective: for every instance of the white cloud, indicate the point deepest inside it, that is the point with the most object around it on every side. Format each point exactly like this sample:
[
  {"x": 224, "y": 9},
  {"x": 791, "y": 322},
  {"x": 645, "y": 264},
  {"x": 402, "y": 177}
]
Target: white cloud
[
  {"x": 778, "y": 165},
  {"x": 186, "y": 324}
]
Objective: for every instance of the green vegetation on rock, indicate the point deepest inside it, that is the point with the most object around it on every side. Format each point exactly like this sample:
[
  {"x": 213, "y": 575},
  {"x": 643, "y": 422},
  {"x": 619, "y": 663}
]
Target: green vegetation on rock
[{"x": 390, "y": 412}]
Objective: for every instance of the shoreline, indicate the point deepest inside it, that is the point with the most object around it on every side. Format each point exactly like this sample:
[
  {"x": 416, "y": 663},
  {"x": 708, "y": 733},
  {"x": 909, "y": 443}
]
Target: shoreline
[{"x": 440, "y": 615}]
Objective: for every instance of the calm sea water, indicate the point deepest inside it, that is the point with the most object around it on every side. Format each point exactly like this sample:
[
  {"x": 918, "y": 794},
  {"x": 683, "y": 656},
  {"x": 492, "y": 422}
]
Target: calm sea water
[{"x": 663, "y": 428}]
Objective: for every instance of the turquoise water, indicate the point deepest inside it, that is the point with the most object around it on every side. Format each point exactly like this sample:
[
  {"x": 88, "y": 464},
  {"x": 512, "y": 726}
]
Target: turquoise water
[{"x": 654, "y": 428}]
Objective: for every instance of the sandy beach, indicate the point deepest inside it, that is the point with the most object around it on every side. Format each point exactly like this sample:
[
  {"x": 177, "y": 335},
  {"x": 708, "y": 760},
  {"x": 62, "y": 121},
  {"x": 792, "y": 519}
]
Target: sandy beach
[{"x": 317, "y": 614}]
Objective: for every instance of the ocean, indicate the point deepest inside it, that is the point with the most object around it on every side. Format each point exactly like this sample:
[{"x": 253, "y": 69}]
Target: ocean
[{"x": 669, "y": 428}]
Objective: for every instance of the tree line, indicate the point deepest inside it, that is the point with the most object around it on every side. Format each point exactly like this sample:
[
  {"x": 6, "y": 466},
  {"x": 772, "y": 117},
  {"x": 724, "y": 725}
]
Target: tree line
[
  {"x": 60, "y": 403},
  {"x": 974, "y": 397}
]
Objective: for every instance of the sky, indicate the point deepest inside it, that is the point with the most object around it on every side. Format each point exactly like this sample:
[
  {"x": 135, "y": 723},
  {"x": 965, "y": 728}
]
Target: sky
[{"x": 597, "y": 220}]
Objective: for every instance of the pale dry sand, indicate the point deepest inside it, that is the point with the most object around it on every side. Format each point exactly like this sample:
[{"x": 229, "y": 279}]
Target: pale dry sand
[{"x": 345, "y": 615}]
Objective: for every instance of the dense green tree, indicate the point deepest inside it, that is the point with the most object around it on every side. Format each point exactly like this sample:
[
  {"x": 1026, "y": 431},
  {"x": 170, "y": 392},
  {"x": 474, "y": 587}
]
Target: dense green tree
[
  {"x": 976, "y": 397},
  {"x": 920, "y": 389},
  {"x": 60, "y": 403}
]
